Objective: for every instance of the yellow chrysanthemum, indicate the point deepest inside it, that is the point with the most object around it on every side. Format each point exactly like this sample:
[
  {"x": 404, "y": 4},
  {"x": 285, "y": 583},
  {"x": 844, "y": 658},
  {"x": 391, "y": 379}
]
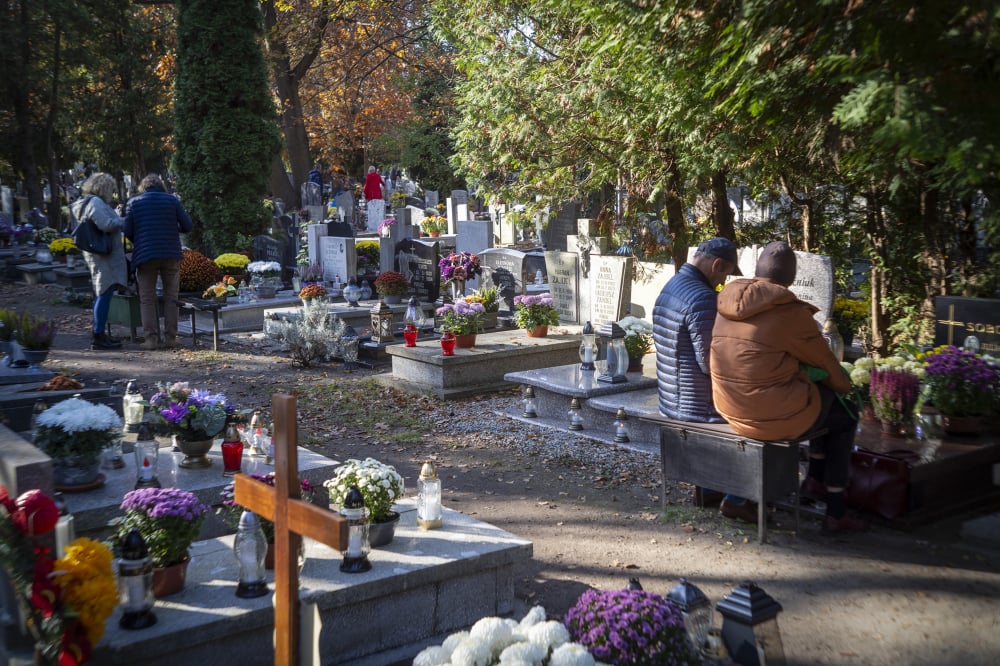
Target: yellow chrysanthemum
[{"x": 88, "y": 584}]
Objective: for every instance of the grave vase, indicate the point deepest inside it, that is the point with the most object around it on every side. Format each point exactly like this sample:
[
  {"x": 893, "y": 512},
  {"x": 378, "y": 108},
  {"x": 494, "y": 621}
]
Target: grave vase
[
  {"x": 170, "y": 580},
  {"x": 194, "y": 451},
  {"x": 634, "y": 364}
]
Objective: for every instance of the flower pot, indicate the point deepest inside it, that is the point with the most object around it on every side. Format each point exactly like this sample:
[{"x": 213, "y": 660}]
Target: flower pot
[
  {"x": 434, "y": 234},
  {"x": 448, "y": 343},
  {"x": 489, "y": 320},
  {"x": 537, "y": 331},
  {"x": 34, "y": 356},
  {"x": 634, "y": 364},
  {"x": 194, "y": 452},
  {"x": 465, "y": 341},
  {"x": 962, "y": 425},
  {"x": 891, "y": 428},
  {"x": 77, "y": 473},
  {"x": 392, "y": 299},
  {"x": 169, "y": 580},
  {"x": 381, "y": 534}
]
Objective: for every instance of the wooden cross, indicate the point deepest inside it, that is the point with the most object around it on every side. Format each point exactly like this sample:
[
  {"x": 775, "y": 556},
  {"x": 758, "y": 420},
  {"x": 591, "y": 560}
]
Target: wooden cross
[{"x": 293, "y": 518}]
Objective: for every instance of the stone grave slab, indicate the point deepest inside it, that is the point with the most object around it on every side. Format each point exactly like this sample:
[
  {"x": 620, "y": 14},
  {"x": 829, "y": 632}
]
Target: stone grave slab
[
  {"x": 958, "y": 318},
  {"x": 417, "y": 260}
]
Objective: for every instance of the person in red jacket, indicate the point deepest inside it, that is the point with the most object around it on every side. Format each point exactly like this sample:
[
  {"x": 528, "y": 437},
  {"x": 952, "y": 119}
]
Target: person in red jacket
[
  {"x": 373, "y": 184},
  {"x": 762, "y": 339}
]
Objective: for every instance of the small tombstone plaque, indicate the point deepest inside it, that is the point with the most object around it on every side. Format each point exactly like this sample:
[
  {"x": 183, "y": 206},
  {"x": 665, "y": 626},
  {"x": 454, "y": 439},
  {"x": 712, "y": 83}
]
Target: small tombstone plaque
[
  {"x": 534, "y": 267},
  {"x": 418, "y": 262},
  {"x": 266, "y": 248},
  {"x": 957, "y": 318},
  {"x": 338, "y": 257},
  {"x": 504, "y": 269},
  {"x": 564, "y": 284},
  {"x": 431, "y": 198},
  {"x": 610, "y": 288}
]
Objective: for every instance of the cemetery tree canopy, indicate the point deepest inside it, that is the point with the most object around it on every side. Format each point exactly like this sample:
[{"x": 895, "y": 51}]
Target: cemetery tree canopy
[{"x": 225, "y": 126}]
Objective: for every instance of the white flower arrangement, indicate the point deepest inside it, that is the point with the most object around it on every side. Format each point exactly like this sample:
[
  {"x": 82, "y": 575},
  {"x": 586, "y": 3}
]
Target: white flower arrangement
[
  {"x": 264, "y": 268},
  {"x": 76, "y": 427},
  {"x": 494, "y": 640},
  {"x": 638, "y": 335},
  {"x": 380, "y": 484}
]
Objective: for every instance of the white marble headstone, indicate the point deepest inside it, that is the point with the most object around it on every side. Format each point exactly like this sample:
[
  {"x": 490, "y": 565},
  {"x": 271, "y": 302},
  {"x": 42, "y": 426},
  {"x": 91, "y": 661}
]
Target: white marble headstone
[
  {"x": 338, "y": 257},
  {"x": 610, "y": 288},
  {"x": 314, "y": 232},
  {"x": 814, "y": 282},
  {"x": 564, "y": 284},
  {"x": 376, "y": 213}
]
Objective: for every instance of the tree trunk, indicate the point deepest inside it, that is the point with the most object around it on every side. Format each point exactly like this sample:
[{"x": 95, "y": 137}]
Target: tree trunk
[
  {"x": 676, "y": 224},
  {"x": 280, "y": 186},
  {"x": 876, "y": 232},
  {"x": 54, "y": 212},
  {"x": 24, "y": 135},
  {"x": 722, "y": 213}
]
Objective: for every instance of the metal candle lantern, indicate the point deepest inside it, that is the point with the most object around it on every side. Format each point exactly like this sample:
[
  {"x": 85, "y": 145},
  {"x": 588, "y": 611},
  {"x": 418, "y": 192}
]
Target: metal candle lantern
[
  {"x": 621, "y": 426},
  {"x": 135, "y": 583},
  {"x": 575, "y": 419},
  {"x": 588, "y": 348},
  {"x": 750, "y": 626},
  {"x": 250, "y": 548},
  {"x": 356, "y": 552},
  {"x": 615, "y": 354},
  {"x": 381, "y": 315},
  {"x": 429, "y": 499},
  {"x": 147, "y": 456},
  {"x": 352, "y": 292},
  {"x": 696, "y": 610},
  {"x": 132, "y": 407},
  {"x": 530, "y": 403}
]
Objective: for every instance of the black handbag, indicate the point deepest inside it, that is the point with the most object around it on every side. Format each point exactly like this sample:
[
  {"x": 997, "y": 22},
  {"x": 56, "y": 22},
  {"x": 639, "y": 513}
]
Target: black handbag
[{"x": 88, "y": 238}]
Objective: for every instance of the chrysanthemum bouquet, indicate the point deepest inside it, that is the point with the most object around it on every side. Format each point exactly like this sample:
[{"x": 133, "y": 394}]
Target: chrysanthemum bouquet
[
  {"x": 960, "y": 382},
  {"x": 168, "y": 519},
  {"x": 191, "y": 414},
  {"x": 230, "y": 511},
  {"x": 461, "y": 318},
  {"x": 62, "y": 246},
  {"x": 65, "y": 601},
  {"x": 532, "y": 311},
  {"x": 380, "y": 484},
  {"x": 312, "y": 291},
  {"x": 630, "y": 627},
  {"x": 638, "y": 335},
  {"x": 75, "y": 427},
  {"x": 460, "y": 266},
  {"x": 494, "y": 640},
  {"x": 264, "y": 269}
]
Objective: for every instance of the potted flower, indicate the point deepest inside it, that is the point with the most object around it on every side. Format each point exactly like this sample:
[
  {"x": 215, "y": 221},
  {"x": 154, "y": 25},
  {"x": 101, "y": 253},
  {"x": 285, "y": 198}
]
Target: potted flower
[
  {"x": 197, "y": 271},
  {"x": 962, "y": 385},
  {"x": 230, "y": 511},
  {"x": 62, "y": 247},
  {"x": 311, "y": 293},
  {"x": 73, "y": 433},
  {"x": 367, "y": 252},
  {"x": 65, "y": 602},
  {"x": 535, "y": 313},
  {"x": 383, "y": 226},
  {"x": 169, "y": 520},
  {"x": 233, "y": 263},
  {"x": 392, "y": 286},
  {"x": 894, "y": 393},
  {"x": 35, "y": 336},
  {"x": 222, "y": 290},
  {"x": 463, "y": 320},
  {"x": 381, "y": 486},
  {"x": 434, "y": 225},
  {"x": 193, "y": 416},
  {"x": 638, "y": 339},
  {"x": 488, "y": 298},
  {"x": 630, "y": 627}
]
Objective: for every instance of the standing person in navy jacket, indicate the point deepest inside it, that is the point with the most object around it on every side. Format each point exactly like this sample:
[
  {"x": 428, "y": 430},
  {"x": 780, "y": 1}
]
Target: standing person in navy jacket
[{"x": 154, "y": 222}]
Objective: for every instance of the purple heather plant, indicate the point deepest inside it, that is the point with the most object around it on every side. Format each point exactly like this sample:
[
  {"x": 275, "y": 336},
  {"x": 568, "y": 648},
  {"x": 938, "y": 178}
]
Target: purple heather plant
[
  {"x": 960, "y": 383},
  {"x": 632, "y": 627},
  {"x": 168, "y": 519},
  {"x": 894, "y": 394}
]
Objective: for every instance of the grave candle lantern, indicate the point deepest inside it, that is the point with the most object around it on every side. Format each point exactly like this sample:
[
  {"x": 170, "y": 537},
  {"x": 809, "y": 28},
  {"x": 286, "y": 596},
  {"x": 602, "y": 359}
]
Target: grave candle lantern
[
  {"x": 414, "y": 314},
  {"x": 250, "y": 548},
  {"x": 615, "y": 354},
  {"x": 750, "y": 626},
  {"x": 588, "y": 347},
  {"x": 381, "y": 315},
  {"x": 135, "y": 583},
  {"x": 132, "y": 407},
  {"x": 356, "y": 552},
  {"x": 232, "y": 451},
  {"x": 147, "y": 455},
  {"x": 530, "y": 403},
  {"x": 575, "y": 419},
  {"x": 429, "y": 498},
  {"x": 696, "y": 610},
  {"x": 621, "y": 426}
]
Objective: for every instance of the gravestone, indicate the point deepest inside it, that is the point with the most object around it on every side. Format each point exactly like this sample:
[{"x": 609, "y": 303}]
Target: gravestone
[
  {"x": 564, "y": 284},
  {"x": 431, "y": 198},
  {"x": 473, "y": 236},
  {"x": 376, "y": 213},
  {"x": 340, "y": 229},
  {"x": 458, "y": 209},
  {"x": 414, "y": 201},
  {"x": 312, "y": 201},
  {"x": 314, "y": 232},
  {"x": 814, "y": 283},
  {"x": 345, "y": 206},
  {"x": 418, "y": 262},
  {"x": 646, "y": 288},
  {"x": 266, "y": 248},
  {"x": 957, "y": 318},
  {"x": 338, "y": 257},
  {"x": 387, "y": 244},
  {"x": 610, "y": 288},
  {"x": 504, "y": 269},
  {"x": 414, "y": 216},
  {"x": 502, "y": 233},
  {"x": 560, "y": 227},
  {"x": 7, "y": 202}
]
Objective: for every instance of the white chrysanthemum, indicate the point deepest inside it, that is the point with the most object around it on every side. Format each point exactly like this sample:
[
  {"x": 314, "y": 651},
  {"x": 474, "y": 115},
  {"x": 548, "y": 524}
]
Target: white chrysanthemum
[
  {"x": 534, "y": 616},
  {"x": 571, "y": 654},
  {"x": 848, "y": 367},
  {"x": 453, "y": 641},
  {"x": 523, "y": 654},
  {"x": 861, "y": 377},
  {"x": 496, "y": 632},
  {"x": 471, "y": 652},
  {"x": 76, "y": 415},
  {"x": 866, "y": 362},
  {"x": 435, "y": 655},
  {"x": 549, "y": 633}
]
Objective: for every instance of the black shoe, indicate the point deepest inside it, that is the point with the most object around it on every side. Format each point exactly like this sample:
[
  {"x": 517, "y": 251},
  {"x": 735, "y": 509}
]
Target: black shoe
[
  {"x": 102, "y": 342},
  {"x": 112, "y": 338}
]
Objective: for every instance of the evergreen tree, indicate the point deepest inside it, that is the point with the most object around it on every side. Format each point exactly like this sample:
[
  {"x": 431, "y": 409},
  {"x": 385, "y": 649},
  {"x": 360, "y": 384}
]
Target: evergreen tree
[{"x": 225, "y": 125}]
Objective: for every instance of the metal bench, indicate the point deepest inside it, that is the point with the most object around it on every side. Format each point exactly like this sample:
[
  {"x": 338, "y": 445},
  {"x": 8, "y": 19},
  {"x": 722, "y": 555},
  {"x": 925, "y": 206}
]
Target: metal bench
[{"x": 713, "y": 456}]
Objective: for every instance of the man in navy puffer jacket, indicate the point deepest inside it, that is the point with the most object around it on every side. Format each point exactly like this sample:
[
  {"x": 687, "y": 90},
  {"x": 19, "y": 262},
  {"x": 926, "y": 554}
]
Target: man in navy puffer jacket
[
  {"x": 154, "y": 222},
  {"x": 683, "y": 318}
]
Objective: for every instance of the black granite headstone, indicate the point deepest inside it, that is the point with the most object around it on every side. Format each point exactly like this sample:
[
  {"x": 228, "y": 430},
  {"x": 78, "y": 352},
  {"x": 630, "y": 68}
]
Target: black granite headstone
[
  {"x": 503, "y": 269},
  {"x": 958, "y": 318},
  {"x": 418, "y": 262},
  {"x": 266, "y": 248},
  {"x": 534, "y": 261},
  {"x": 340, "y": 229},
  {"x": 564, "y": 223}
]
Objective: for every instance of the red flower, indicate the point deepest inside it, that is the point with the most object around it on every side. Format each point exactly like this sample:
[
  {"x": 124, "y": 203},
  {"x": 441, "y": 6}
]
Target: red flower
[
  {"x": 44, "y": 591},
  {"x": 36, "y": 513},
  {"x": 76, "y": 646},
  {"x": 5, "y": 499}
]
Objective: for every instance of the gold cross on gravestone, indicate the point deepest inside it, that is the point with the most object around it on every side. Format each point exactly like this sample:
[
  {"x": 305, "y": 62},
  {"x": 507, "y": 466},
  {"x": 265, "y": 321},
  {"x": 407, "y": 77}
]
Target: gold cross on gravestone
[{"x": 293, "y": 518}]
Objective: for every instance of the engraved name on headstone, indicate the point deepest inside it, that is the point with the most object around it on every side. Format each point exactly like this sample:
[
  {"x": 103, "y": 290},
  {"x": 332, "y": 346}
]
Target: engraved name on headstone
[
  {"x": 610, "y": 288},
  {"x": 814, "y": 282}
]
